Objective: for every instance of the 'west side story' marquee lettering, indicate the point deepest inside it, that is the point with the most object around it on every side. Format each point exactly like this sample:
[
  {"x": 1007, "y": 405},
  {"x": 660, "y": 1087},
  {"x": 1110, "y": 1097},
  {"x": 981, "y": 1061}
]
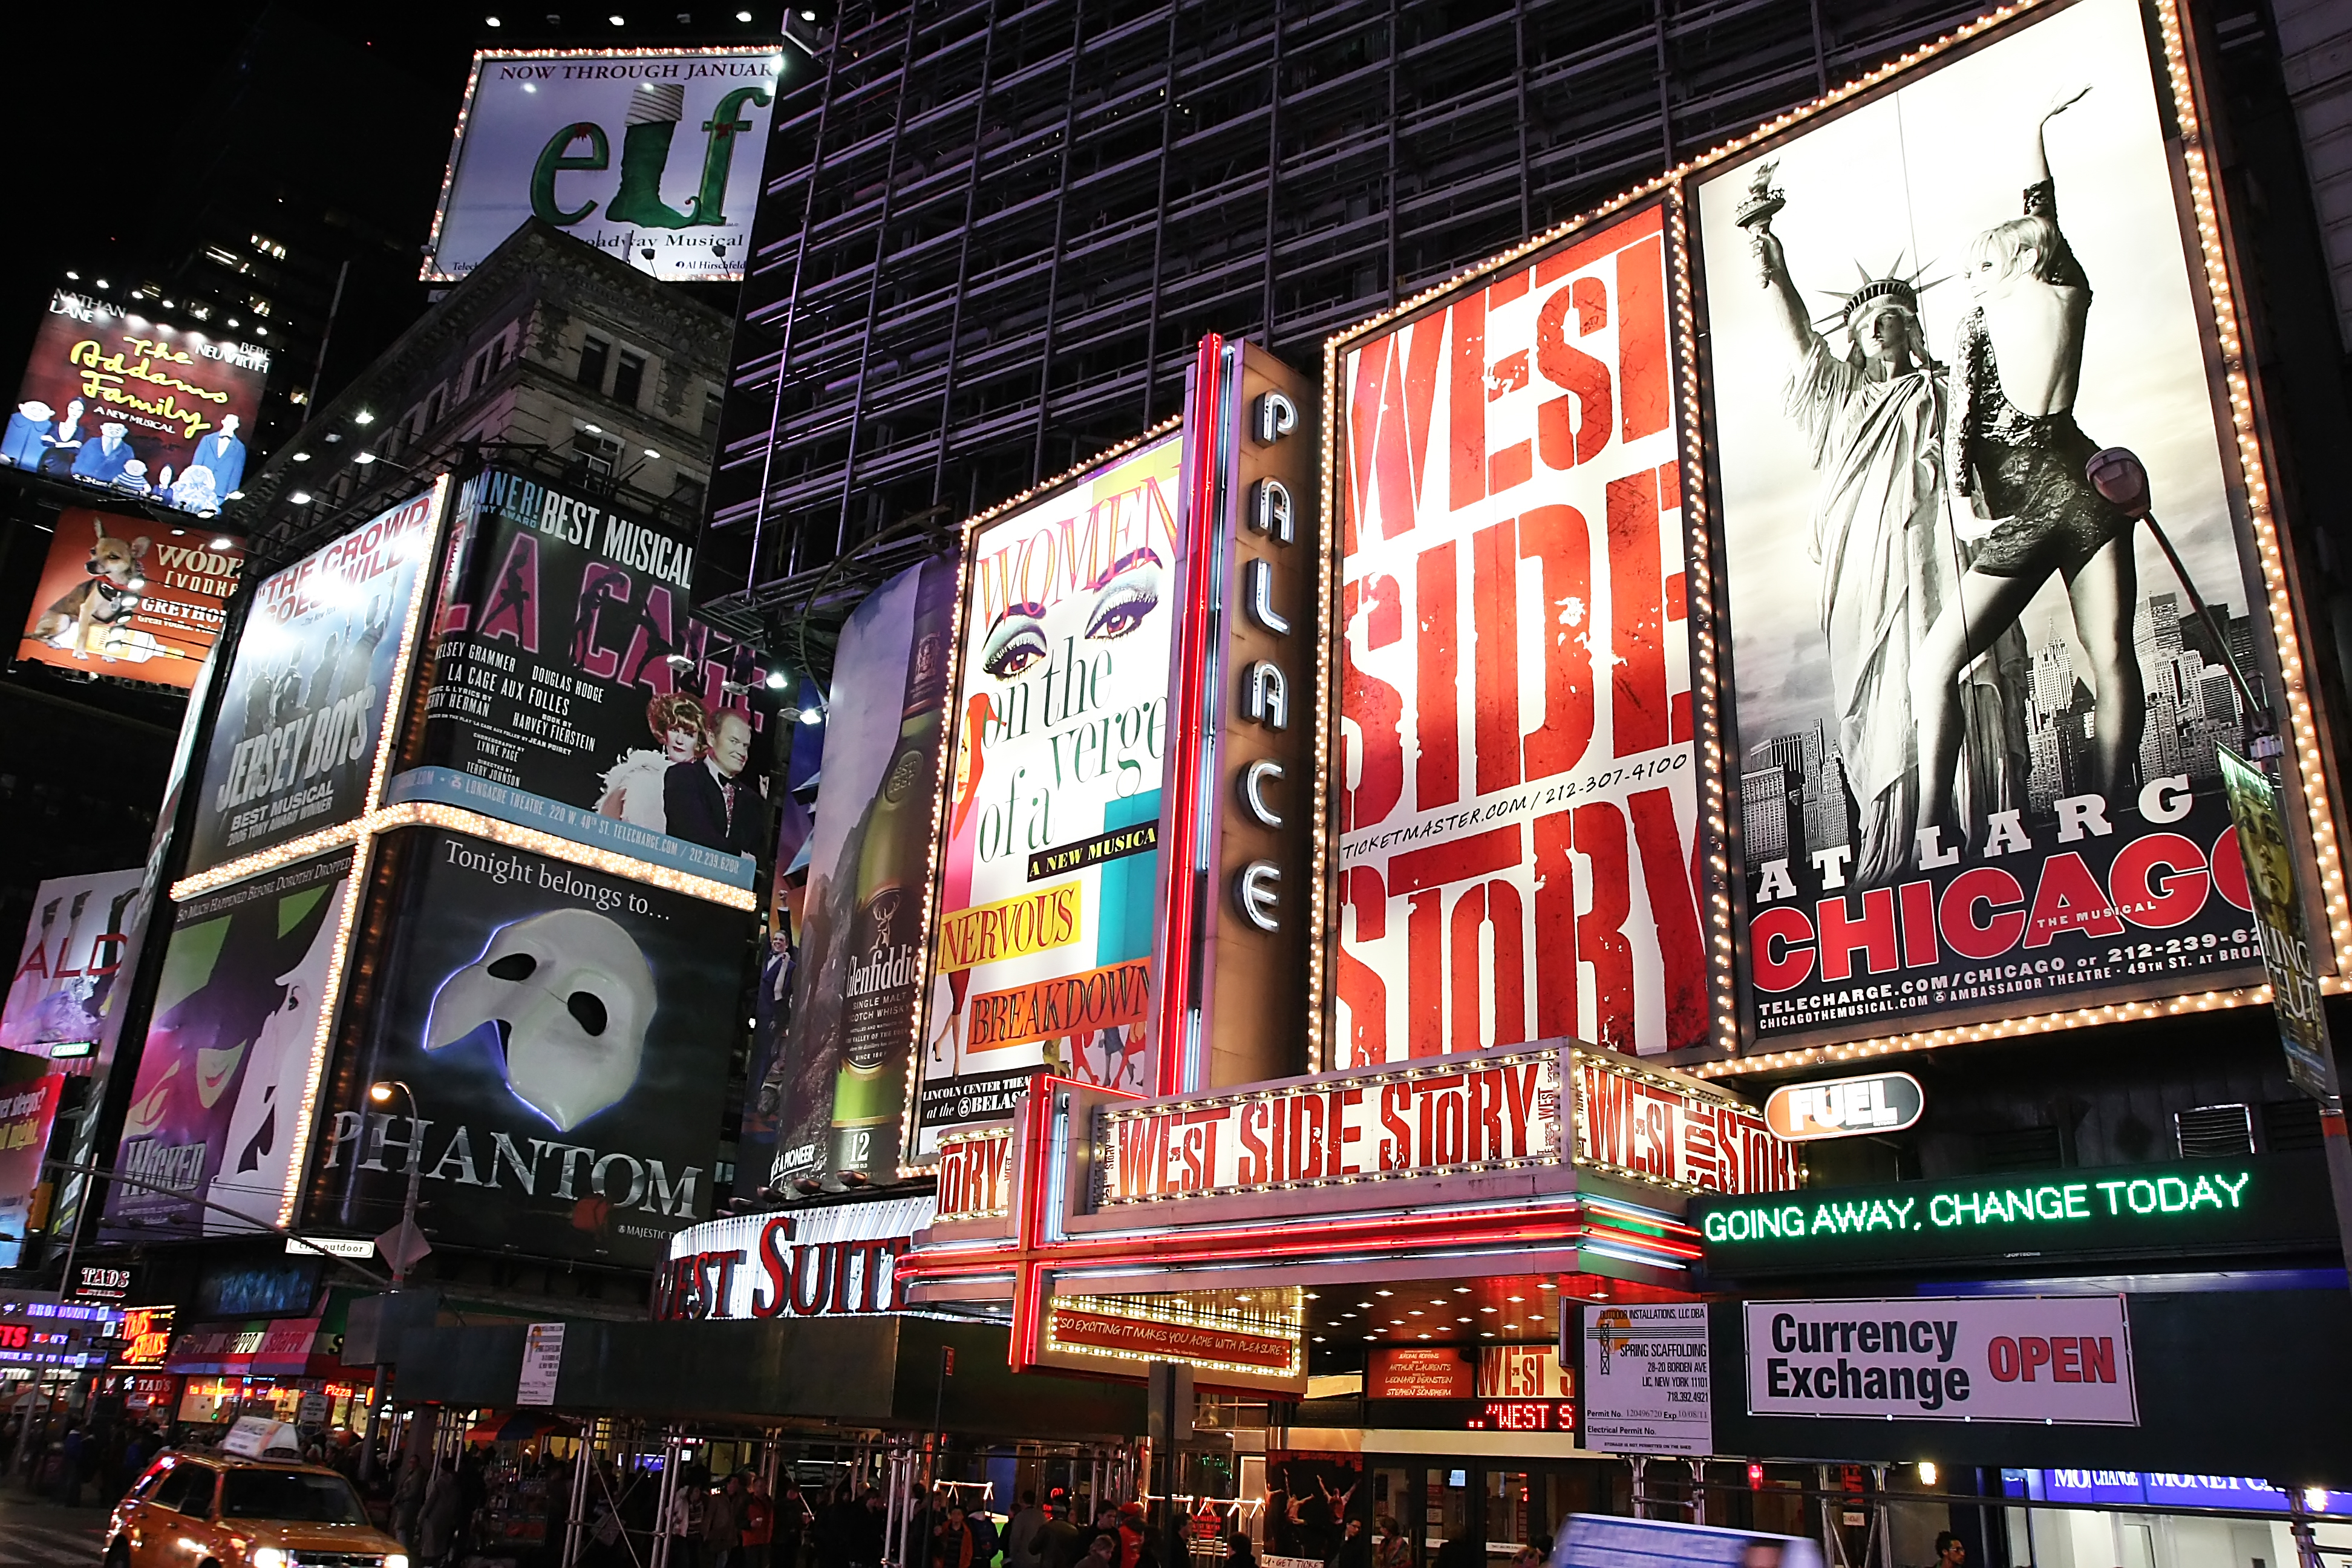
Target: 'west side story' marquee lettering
[
  {"x": 1638, "y": 1121},
  {"x": 1484, "y": 1114}
]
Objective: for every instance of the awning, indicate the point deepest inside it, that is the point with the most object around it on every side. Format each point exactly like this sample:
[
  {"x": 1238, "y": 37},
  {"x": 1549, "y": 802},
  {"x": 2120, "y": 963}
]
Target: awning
[
  {"x": 877, "y": 1372},
  {"x": 263, "y": 1347}
]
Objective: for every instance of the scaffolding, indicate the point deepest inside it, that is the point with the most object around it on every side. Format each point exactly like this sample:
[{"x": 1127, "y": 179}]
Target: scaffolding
[{"x": 991, "y": 233}]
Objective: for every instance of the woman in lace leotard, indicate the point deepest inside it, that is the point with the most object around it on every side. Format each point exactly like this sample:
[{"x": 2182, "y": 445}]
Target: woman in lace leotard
[{"x": 2016, "y": 456}]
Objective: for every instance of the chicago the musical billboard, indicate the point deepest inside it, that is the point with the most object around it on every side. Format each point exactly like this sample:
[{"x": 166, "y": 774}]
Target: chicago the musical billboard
[
  {"x": 1516, "y": 706},
  {"x": 1976, "y": 715}
]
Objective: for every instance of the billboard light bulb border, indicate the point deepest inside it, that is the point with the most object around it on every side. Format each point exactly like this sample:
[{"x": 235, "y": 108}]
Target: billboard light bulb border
[
  {"x": 951, "y": 736},
  {"x": 2252, "y": 474}
]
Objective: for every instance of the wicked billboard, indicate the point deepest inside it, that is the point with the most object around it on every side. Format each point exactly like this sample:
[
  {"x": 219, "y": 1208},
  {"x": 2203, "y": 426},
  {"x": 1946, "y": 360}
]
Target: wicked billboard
[
  {"x": 217, "y": 1107},
  {"x": 565, "y": 1034},
  {"x": 1976, "y": 717},
  {"x": 572, "y": 693},
  {"x": 302, "y": 720}
]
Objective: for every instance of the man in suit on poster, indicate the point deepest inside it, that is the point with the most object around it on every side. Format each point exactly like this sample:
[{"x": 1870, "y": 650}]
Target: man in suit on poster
[
  {"x": 707, "y": 802},
  {"x": 224, "y": 454}
]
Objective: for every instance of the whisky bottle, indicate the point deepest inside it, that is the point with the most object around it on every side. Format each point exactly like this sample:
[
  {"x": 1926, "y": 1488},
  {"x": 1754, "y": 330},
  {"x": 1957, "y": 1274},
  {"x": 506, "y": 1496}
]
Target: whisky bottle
[{"x": 885, "y": 960}]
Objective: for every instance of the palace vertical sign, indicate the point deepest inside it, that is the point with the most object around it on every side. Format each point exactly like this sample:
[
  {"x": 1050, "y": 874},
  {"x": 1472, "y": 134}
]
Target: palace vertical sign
[
  {"x": 1516, "y": 708},
  {"x": 1236, "y": 886}
]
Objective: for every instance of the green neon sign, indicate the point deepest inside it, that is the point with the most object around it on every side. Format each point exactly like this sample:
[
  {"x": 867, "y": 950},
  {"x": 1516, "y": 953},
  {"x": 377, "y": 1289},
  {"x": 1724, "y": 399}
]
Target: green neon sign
[{"x": 2262, "y": 1203}]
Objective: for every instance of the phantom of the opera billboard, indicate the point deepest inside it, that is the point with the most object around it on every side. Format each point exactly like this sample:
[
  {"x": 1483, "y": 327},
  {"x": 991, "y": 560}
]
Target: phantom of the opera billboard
[
  {"x": 1974, "y": 715},
  {"x": 1042, "y": 939},
  {"x": 1518, "y": 816},
  {"x": 302, "y": 721},
  {"x": 565, "y": 1032},
  {"x": 650, "y": 155},
  {"x": 137, "y": 408}
]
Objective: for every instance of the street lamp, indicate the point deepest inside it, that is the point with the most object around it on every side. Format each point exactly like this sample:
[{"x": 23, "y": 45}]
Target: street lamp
[
  {"x": 381, "y": 1092},
  {"x": 399, "y": 1255}
]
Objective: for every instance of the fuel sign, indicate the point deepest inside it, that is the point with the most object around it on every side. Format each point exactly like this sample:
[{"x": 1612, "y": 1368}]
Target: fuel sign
[{"x": 1845, "y": 1107}]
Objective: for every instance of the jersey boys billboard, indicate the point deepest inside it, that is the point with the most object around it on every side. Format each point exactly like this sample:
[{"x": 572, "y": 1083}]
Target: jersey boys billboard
[
  {"x": 1976, "y": 719},
  {"x": 652, "y": 155},
  {"x": 301, "y": 721},
  {"x": 1515, "y": 704},
  {"x": 1042, "y": 939}
]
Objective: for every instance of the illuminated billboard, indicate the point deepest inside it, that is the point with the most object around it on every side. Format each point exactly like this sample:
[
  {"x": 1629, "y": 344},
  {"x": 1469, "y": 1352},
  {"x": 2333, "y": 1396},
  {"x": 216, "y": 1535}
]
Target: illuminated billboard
[
  {"x": 837, "y": 1086},
  {"x": 74, "y": 944},
  {"x": 1043, "y": 938},
  {"x": 310, "y": 688},
  {"x": 135, "y": 407},
  {"x": 119, "y": 596},
  {"x": 650, "y": 155},
  {"x": 555, "y": 703},
  {"x": 1977, "y": 717},
  {"x": 225, "y": 1073},
  {"x": 566, "y": 1032},
  {"x": 1517, "y": 810}
]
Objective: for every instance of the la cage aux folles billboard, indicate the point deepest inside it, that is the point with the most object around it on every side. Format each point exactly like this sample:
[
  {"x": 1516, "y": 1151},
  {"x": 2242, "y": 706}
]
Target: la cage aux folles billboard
[
  {"x": 302, "y": 721},
  {"x": 133, "y": 406},
  {"x": 651, "y": 156},
  {"x": 1975, "y": 719},
  {"x": 566, "y": 1034},
  {"x": 554, "y": 703}
]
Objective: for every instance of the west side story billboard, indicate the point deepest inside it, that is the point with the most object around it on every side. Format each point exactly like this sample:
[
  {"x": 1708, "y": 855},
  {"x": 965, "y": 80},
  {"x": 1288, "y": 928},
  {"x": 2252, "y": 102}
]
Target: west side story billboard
[
  {"x": 1042, "y": 946},
  {"x": 1516, "y": 700},
  {"x": 651, "y": 156},
  {"x": 302, "y": 720},
  {"x": 1975, "y": 721}
]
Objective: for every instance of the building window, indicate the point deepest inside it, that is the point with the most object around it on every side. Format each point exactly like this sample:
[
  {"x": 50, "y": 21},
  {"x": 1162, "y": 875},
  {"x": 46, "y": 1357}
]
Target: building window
[
  {"x": 594, "y": 354},
  {"x": 433, "y": 408},
  {"x": 712, "y": 404},
  {"x": 595, "y": 458},
  {"x": 629, "y": 381},
  {"x": 498, "y": 354}
]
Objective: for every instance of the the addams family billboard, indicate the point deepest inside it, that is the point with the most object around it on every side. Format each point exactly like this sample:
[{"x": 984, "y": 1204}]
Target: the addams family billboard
[{"x": 135, "y": 407}]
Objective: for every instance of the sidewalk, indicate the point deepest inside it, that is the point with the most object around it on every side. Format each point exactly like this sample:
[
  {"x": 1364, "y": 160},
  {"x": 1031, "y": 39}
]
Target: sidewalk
[{"x": 38, "y": 1534}]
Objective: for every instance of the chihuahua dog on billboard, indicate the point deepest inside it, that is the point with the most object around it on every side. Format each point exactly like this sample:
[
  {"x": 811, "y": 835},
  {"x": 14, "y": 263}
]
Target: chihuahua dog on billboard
[{"x": 104, "y": 602}]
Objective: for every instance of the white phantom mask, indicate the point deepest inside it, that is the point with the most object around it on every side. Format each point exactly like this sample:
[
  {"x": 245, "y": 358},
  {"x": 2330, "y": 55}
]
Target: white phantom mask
[{"x": 571, "y": 996}]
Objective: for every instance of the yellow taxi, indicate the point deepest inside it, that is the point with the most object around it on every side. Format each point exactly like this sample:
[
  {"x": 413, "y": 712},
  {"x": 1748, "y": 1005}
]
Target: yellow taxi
[{"x": 191, "y": 1511}]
